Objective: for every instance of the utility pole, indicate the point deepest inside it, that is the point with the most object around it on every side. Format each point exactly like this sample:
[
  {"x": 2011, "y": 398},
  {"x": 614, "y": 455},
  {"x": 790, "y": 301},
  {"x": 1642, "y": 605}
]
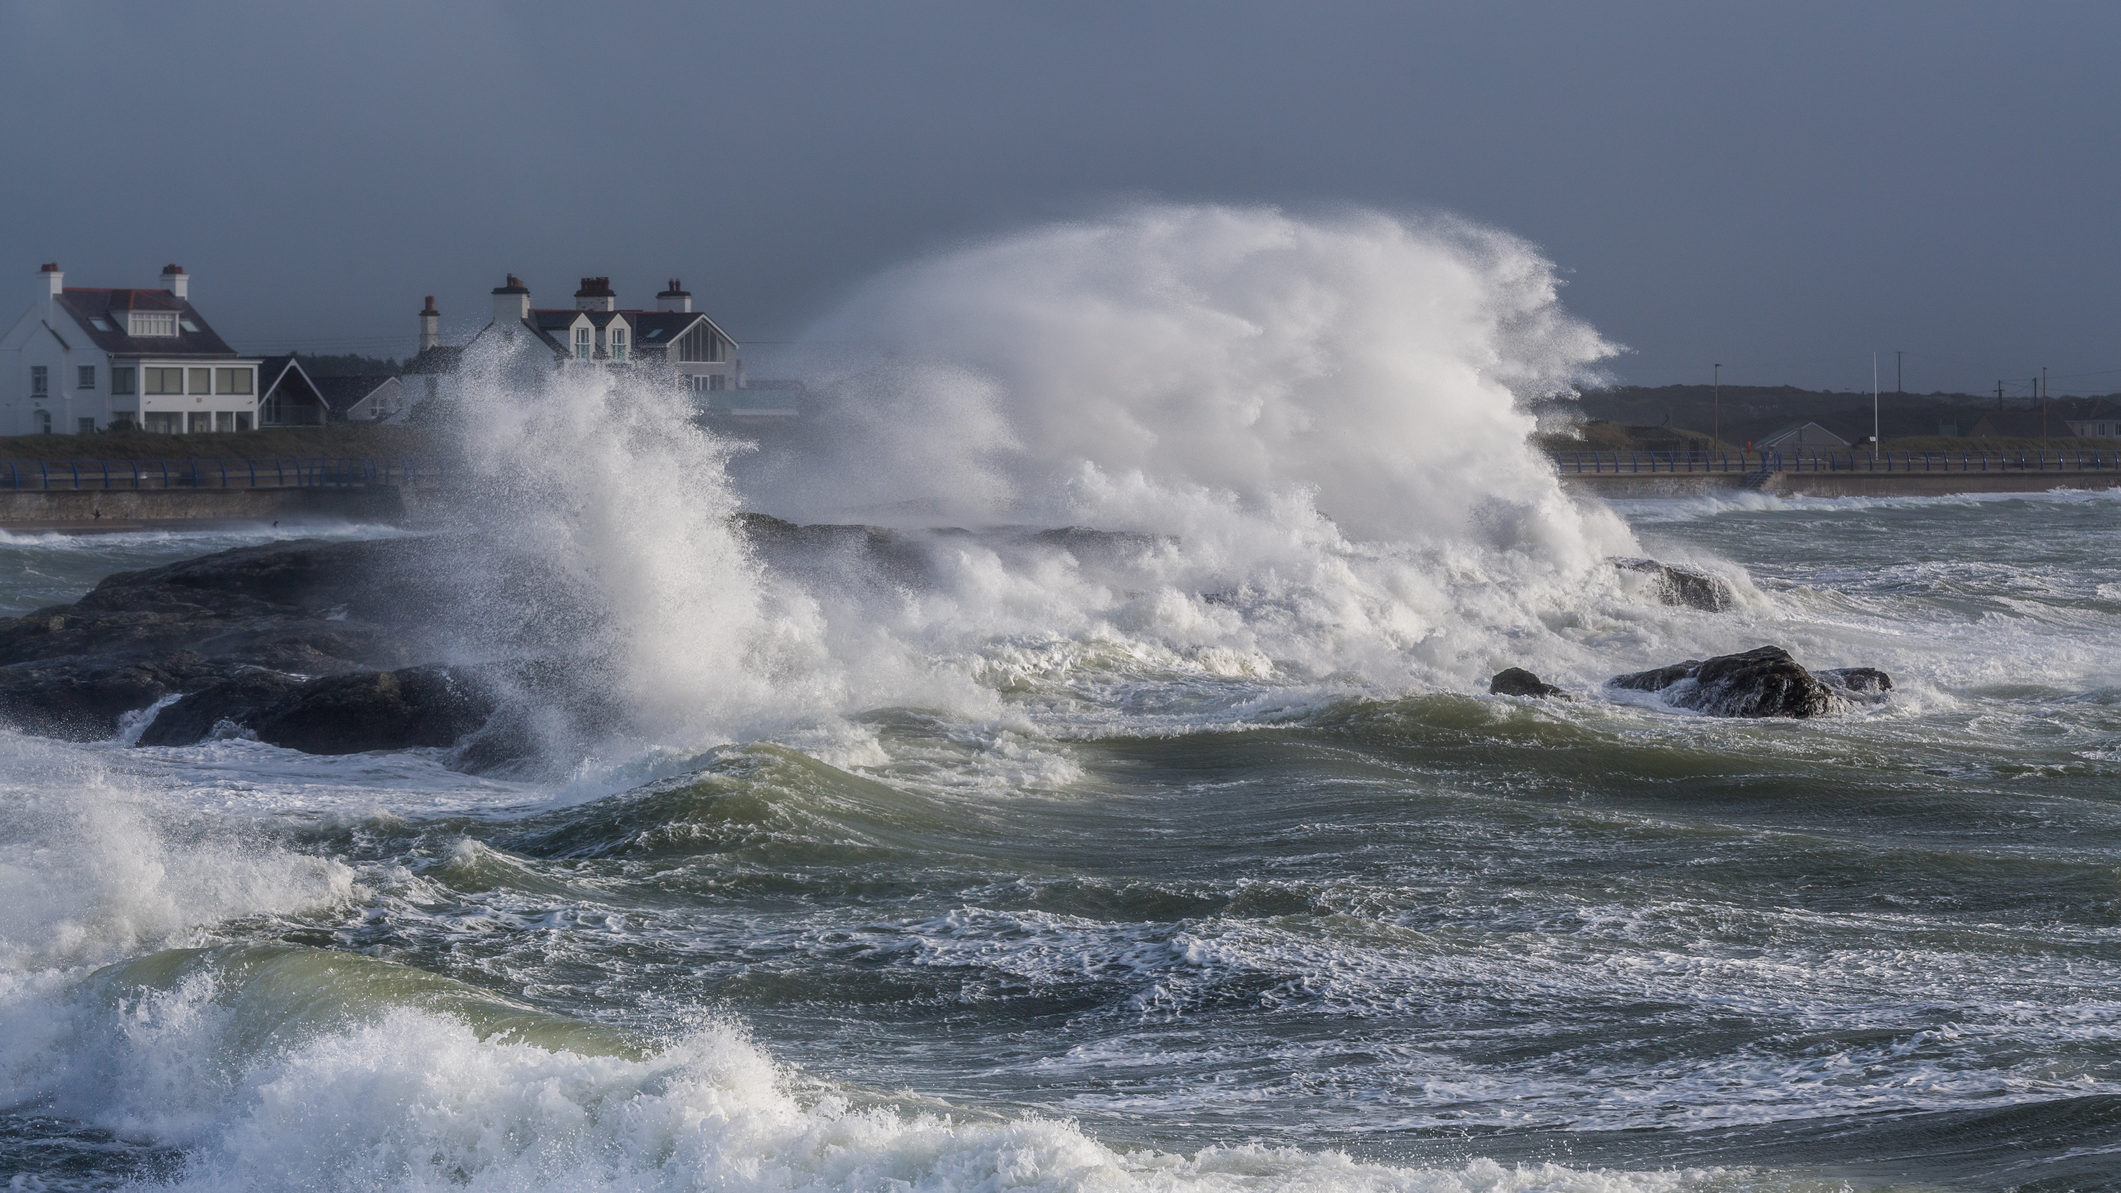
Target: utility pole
[
  {"x": 1716, "y": 403},
  {"x": 2043, "y": 401},
  {"x": 1999, "y": 395},
  {"x": 1898, "y": 388},
  {"x": 1874, "y": 406}
]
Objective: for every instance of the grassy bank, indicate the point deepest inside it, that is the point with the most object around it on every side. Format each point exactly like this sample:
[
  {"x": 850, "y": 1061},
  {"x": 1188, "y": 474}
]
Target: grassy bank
[{"x": 271, "y": 443}]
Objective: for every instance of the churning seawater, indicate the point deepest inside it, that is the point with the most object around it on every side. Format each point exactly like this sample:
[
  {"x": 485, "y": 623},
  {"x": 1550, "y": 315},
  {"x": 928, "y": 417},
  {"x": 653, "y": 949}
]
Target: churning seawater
[{"x": 1186, "y": 854}]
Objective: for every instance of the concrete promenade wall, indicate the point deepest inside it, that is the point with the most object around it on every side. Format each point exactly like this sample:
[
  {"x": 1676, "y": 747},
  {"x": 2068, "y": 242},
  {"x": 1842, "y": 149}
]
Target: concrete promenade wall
[
  {"x": 1835, "y": 484},
  {"x": 117, "y": 509}
]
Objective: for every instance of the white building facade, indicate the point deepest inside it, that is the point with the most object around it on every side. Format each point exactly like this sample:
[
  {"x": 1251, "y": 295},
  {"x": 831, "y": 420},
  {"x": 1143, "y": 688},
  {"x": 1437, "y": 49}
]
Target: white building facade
[
  {"x": 89, "y": 359},
  {"x": 673, "y": 341}
]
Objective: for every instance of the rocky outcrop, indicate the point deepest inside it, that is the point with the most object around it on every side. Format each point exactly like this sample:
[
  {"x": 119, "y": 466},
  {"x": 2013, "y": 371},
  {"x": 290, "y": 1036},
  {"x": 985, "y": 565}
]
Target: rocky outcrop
[
  {"x": 378, "y": 710},
  {"x": 1684, "y": 587},
  {"x": 1764, "y": 682},
  {"x": 234, "y": 702},
  {"x": 1516, "y": 681},
  {"x": 332, "y": 714},
  {"x": 305, "y": 608}
]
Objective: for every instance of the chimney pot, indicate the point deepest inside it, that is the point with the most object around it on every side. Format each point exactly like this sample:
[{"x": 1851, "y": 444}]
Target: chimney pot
[
  {"x": 511, "y": 305},
  {"x": 595, "y": 295},
  {"x": 50, "y": 282},
  {"x": 176, "y": 281}
]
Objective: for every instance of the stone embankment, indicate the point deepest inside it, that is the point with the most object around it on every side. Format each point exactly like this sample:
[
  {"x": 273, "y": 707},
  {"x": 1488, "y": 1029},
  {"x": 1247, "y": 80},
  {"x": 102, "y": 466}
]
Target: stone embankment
[
  {"x": 122, "y": 494},
  {"x": 1838, "y": 474}
]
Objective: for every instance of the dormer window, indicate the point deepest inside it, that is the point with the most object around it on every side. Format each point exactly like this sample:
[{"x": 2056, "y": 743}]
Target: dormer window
[
  {"x": 618, "y": 343},
  {"x": 151, "y": 323},
  {"x": 584, "y": 343}
]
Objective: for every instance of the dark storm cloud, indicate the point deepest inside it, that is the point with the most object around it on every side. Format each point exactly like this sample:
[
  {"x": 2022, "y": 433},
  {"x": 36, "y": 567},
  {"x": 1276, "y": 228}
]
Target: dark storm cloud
[{"x": 1778, "y": 187}]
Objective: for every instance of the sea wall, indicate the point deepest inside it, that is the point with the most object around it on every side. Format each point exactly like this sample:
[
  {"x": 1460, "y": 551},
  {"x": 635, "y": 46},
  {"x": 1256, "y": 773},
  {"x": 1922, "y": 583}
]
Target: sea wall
[
  {"x": 101, "y": 509},
  {"x": 1835, "y": 484}
]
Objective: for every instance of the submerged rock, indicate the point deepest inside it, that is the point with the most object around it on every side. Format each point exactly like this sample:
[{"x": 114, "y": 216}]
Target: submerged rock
[
  {"x": 1683, "y": 587},
  {"x": 1763, "y": 682},
  {"x": 1865, "y": 684},
  {"x": 1516, "y": 681}
]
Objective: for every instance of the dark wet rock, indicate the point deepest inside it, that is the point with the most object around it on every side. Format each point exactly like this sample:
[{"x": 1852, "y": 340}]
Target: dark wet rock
[
  {"x": 316, "y": 608},
  {"x": 836, "y": 551},
  {"x": 551, "y": 706},
  {"x": 1516, "y": 681},
  {"x": 1764, "y": 682},
  {"x": 1684, "y": 587},
  {"x": 378, "y": 710},
  {"x": 235, "y": 701},
  {"x": 1867, "y": 684},
  {"x": 84, "y": 700}
]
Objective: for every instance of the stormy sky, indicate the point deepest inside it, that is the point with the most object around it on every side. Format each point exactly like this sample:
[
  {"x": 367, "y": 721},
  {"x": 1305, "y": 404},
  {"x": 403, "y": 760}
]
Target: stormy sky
[{"x": 1780, "y": 187}]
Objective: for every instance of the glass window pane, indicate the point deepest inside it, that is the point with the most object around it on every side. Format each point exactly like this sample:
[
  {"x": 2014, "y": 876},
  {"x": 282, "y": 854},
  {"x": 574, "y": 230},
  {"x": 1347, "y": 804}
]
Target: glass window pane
[{"x": 202, "y": 381}]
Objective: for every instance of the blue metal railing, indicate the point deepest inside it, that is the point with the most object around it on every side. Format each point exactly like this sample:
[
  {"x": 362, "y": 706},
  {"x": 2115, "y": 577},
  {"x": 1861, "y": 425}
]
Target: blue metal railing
[
  {"x": 305, "y": 472},
  {"x": 1623, "y": 462}
]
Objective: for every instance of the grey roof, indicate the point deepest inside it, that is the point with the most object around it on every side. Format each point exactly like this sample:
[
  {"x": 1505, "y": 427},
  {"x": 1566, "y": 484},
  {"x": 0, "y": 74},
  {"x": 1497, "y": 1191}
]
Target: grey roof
[
  {"x": 1818, "y": 436},
  {"x": 275, "y": 371},
  {"x": 89, "y": 307},
  {"x": 439, "y": 359},
  {"x": 342, "y": 394}
]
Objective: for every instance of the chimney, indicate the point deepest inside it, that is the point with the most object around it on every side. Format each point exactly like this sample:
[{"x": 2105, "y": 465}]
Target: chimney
[
  {"x": 430, "y": 325},
  {"x": 176, "y": 281},
  {"x": 50, "y": 282},
  {"x": 676, "y": 298},
  {"x": 511, "y": 304},
  {"x": 596, "y": 295}
]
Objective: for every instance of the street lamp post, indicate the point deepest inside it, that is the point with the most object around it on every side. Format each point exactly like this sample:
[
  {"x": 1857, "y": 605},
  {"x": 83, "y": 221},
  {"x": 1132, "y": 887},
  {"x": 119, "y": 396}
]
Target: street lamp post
[{"x": 1716, "y": 403}]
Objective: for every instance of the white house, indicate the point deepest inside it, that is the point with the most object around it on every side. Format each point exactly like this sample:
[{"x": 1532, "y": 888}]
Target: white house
[
  {"x": 2095, "y": 420},
  {"x": 84, "y": 359},
  {"x": 672, "y": 341}
]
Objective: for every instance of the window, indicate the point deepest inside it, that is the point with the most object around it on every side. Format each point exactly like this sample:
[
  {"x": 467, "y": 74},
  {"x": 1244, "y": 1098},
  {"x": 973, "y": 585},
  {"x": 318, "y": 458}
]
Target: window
[
  {"x": 581, "y": 343},
  {"x": 700, "y": 344},
  {"x": 187, "y": 325},
  {"x": 164, "y": 381},
  {"x": 100, "y": 324},
  {"x": 718, "y": 382},
  {"x": 201, "y": 423},
  {"x": 85, "y": 376},
  {"x": 87, "y": 426},
  {"x": 40, "y": 422},
  {"x": 202, "y": 381},
  {"x": 232, "y": 381},
  {"x": 121, "y": 381},
  {"x": 618, "y": 343},
  {"x": 151, "y": 323},
  {"x": 40, "y": 381},
  {"x": 243, "y": 420},
  {"x": 224, "y": 420},
  {"x": 164, "y": 422}
]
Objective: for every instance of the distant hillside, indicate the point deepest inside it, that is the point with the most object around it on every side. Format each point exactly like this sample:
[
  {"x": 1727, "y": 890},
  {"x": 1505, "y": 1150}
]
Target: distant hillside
[{"x": 1751, "y": 413}]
